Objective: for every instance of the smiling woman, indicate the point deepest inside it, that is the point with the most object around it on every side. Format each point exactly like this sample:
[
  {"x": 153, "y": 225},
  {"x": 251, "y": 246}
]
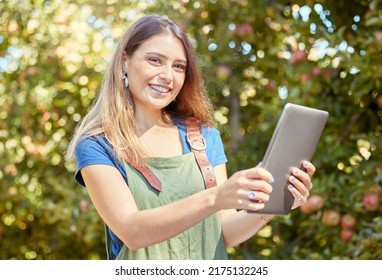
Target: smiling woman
[
  {"x": 156, "y": 72},
  {"x": 154, "y": 165}
]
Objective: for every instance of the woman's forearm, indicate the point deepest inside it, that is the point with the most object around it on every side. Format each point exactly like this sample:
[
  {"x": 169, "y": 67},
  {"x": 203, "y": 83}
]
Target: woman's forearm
[{"x": 240, "y": 226}]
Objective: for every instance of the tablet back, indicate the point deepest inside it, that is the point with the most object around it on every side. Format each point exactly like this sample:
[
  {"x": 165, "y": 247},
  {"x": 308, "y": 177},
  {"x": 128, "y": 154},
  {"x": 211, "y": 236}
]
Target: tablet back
[{"x": 294, "y": 140}]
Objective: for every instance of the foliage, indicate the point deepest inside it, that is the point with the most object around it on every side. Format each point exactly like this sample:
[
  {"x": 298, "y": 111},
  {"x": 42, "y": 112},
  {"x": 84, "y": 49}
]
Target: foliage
[
  {"x": 52, "y": 59},
  {"x": 256, "y": 56}
]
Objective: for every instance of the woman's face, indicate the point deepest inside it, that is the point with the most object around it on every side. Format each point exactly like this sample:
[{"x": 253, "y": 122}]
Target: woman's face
[{"x": 156, "y": 72}]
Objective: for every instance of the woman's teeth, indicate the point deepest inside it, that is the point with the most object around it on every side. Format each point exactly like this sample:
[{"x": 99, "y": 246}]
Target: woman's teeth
[{"x": 160, "y": 89}]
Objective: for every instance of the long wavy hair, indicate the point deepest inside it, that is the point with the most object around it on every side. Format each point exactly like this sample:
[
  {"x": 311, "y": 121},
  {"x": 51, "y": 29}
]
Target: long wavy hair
[{"x": 112, "y": 113}]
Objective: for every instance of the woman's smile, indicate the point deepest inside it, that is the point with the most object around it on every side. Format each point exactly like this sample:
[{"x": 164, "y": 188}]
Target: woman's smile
[{"x": 160, "y": 90}]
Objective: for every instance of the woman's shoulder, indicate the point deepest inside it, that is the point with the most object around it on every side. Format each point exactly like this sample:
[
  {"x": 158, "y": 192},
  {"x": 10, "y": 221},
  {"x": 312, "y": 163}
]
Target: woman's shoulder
[
  {"x": 94, "y": 150},
  {"x": 92, "y": 144}
]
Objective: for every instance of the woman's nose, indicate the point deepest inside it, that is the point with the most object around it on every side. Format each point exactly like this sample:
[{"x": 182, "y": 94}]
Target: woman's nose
[{"x": 166, "y": 74}]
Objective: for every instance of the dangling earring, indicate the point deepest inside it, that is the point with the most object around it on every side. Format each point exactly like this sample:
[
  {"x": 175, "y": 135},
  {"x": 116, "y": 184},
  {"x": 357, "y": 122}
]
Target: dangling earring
[{"x": 125, "y": 80}]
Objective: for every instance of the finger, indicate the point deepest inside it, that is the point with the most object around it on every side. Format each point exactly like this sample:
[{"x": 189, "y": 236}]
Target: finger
[
  {"x": 255, "y": 206},
  {"x": 252, "y": 200},
  {"x": 299, "y": 198},
  {"x": 259, "y": 173},
  {"x": 260, "y": 185},
  {"x": 309, "y": 167},
  {"x": 297, "y": 184},
  {"x": 249, "y": 184},
  {"x": 257, "y": 196},
  {"x": 303, "y": 177}
]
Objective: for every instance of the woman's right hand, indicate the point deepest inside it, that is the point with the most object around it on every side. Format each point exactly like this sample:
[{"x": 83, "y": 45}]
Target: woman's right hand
[{"x": 246, "y": 189}]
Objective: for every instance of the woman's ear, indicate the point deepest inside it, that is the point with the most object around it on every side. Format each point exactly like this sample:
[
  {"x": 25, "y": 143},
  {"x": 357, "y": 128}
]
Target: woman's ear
[{"x": 125, "y": 62}]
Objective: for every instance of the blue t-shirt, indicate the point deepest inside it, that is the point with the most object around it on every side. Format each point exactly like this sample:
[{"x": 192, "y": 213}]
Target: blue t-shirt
[{"x": 97, "y": 150}]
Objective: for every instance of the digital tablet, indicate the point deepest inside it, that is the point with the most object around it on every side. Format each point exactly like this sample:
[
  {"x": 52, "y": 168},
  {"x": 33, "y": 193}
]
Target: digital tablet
[{"x": 294, "y": 140}]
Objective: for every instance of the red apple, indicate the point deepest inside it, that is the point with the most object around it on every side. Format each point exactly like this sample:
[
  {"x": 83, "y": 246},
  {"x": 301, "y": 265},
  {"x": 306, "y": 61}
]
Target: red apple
[
  {"x": 331, "y": 218},
  {"x": 377, "y": 190},
  {"x": 328, "y": 73},
  {"x": 223, "y": 72},
  {"x": 305, "y": 77},
  {"x": 271, "y": 85},
  {"x": 298, "y": 56},
  {"x": 31, "y": 70},
  {"x": 348, "y": 221},
  {"x": 371, "y": 201},
  {"x": 314, "y": 203},
  {"x": 379, "y": 101},
  {"x": 306, "y": 208},
  {"x": 244, "y": 29},
  {"x": 84, "y": 205},
  {"x": 317, "y": 202},
  {"x": 378, "y": 37},
  {"x": 346, "y": 234},
  {"x": 316, "y": 71}
]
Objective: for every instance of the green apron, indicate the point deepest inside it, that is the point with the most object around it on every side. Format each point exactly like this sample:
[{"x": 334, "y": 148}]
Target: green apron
[{"x": 180, "y": 177}]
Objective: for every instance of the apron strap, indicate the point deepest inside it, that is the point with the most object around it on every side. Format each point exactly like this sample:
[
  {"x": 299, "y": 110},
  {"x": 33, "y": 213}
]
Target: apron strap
[
  {"x": 198, "y": 146},
  {"x": 148, "y": 174}
]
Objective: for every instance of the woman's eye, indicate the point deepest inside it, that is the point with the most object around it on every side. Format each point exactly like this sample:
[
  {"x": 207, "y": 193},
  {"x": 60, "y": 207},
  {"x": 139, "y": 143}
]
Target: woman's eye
[
  {"x": 154, "y": 60},
  {"x": 181, "y": 67}
]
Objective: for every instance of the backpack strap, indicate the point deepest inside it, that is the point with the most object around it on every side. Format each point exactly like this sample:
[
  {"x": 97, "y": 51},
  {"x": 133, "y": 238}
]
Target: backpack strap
[{"x": 198, "y": 146}]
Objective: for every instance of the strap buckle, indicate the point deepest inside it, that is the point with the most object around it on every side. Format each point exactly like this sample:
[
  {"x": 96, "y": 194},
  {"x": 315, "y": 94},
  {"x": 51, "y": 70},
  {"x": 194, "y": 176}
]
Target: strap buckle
[{"x": 196, "y": 141}]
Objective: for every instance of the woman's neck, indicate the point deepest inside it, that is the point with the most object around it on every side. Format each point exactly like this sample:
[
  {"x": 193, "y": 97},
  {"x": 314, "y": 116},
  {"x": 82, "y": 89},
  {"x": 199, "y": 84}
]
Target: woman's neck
[
  {"x": 146, "y": 122},
  {"x": 159, "y": 135}
]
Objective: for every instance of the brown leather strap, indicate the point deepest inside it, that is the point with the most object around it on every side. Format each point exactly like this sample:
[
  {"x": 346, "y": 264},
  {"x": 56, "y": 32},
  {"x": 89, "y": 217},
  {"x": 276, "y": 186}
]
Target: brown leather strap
[
  {"x": 151, "y": 178},
  {"x": 198, "y": 145}
]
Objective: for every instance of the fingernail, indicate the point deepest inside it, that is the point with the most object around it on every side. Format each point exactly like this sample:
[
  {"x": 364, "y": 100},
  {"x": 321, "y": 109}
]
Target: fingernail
[
  {"x": 296, "y": 171},
  {"x": 305, "y": 163},
  {"x": 272, "y": 180},
  {"x": 291, "y": 186},
  {"x": 292, "y": 178}
]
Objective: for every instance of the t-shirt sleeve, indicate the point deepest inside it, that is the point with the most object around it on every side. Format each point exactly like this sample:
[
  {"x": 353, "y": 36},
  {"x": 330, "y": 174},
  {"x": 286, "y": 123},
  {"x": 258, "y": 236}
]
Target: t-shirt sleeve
[
  {"x": 215, "y": 148},
  {"x": 95, "y": 150}
]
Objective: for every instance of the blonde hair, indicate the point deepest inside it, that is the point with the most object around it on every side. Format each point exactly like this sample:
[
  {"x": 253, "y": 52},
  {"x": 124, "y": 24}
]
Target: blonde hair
[{"x": 112, "y": 114}]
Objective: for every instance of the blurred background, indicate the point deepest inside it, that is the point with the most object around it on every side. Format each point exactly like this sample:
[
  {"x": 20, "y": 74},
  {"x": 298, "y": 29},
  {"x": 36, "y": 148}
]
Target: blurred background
[{"x": 256, "y": 56}]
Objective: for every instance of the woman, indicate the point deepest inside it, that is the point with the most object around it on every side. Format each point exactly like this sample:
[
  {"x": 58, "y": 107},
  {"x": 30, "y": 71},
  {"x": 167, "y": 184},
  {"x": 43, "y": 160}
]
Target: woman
[{"x": 133, "y": 153}]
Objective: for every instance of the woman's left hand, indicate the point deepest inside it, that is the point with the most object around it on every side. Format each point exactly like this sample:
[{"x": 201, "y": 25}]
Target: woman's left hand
[{"x": 301, "y": 184}]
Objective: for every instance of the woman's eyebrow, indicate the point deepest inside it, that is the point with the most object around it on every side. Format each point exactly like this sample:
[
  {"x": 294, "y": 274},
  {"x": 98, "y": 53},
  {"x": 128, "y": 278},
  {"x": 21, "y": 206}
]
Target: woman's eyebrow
[{"x": 165, "y": 57}]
